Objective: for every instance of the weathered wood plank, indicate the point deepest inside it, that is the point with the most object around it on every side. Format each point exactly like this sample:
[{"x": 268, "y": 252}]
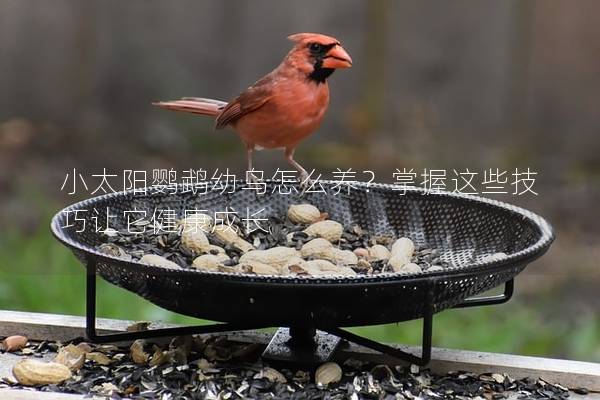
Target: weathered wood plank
[
  {"x": 20, "y": 394},
  {"x": 568, "y": 373},
  {"x": 41, "y": 326}
]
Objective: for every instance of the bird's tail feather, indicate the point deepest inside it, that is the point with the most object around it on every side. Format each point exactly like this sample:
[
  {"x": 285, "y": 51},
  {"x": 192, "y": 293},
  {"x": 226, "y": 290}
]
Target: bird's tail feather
[{"x": 194, "y": 105}]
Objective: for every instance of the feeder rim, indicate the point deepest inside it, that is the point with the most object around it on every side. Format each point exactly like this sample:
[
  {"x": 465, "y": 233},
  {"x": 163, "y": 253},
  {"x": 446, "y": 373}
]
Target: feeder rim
[{"x": 521, "y": 257}]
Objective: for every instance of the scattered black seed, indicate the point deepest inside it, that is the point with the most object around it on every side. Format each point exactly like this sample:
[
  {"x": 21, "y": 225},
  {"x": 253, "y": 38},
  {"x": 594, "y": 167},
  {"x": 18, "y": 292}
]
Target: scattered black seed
[
  {"x": 581, "y": 391},
  {"x": 229, "y": 263},
  {"x": 233, "y": 367}
]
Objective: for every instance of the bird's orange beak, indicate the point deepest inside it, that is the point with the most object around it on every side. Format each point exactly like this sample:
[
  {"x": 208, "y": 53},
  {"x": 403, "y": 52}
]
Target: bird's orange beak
[{"x": 337, "y": 58}]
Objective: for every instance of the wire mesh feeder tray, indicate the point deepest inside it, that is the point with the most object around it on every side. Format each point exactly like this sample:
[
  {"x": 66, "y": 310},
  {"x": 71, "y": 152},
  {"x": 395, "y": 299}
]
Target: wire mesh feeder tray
[{"x": 465, "y": 229}]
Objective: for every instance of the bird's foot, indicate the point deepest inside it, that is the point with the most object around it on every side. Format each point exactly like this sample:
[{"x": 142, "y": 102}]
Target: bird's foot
[
  {"x": 305, "y": 181},
  {"x": 251, "y": 178}
]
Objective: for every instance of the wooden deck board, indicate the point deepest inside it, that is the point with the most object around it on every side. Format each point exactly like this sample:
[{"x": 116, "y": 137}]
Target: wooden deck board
[
  {"x": 24, "y": 394},
  {"x": 572, "y": 374}
]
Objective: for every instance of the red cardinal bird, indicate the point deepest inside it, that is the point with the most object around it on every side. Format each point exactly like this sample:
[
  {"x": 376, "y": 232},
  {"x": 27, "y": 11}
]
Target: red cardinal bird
[{"x": 285, "y": 106}]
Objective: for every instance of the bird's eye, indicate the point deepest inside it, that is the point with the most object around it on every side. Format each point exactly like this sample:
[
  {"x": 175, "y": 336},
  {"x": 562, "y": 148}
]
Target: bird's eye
[{"x": 315, "y": 47}]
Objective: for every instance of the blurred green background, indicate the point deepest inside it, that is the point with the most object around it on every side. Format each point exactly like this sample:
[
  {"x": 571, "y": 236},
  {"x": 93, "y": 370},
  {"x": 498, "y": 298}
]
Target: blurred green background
[{"x": 451, "y": 85}]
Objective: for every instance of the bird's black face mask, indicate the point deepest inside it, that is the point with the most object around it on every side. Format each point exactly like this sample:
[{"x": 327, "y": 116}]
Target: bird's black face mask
[{"x": 319, "y": 51}]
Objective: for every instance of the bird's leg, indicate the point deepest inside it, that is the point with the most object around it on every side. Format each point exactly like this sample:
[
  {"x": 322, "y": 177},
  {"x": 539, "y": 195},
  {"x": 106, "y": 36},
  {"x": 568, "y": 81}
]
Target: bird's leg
[
  {"x": 289, "y": 156},
  {"x": 249, "y": 174}
]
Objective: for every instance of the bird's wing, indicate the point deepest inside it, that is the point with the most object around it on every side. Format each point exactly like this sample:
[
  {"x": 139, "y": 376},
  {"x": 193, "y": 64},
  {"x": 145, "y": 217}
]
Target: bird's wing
[{"x": 250, "y": 100}]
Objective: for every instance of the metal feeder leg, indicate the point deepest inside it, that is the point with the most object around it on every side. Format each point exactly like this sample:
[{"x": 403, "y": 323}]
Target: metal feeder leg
[{"x": 93, "y": 336}]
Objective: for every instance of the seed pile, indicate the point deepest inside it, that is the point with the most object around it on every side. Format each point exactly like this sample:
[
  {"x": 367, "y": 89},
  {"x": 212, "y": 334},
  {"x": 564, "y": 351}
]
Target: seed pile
[
  {"x": 304, "y": 242},
  {"x": 191, "y": 367}
]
